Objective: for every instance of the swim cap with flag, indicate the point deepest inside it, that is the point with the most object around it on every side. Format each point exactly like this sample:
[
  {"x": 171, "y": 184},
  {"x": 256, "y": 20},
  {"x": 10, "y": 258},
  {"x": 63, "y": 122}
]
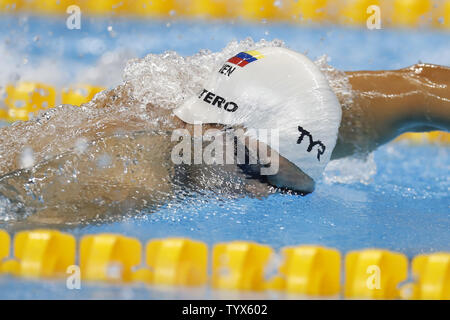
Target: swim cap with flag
[{"x": 273, "y": 88}]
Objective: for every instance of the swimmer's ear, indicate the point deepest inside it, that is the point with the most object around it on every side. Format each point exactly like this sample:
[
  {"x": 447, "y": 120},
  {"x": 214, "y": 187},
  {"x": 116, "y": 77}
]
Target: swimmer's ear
[
  {"x": 291, "y": 177},
  {"x": 275, "y": 169}
]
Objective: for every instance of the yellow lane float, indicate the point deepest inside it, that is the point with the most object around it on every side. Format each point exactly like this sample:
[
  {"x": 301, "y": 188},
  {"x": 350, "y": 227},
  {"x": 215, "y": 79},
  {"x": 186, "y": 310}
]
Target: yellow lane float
[
  {"x": 240, "y": 265},
  {"x": 27, "y": 98},
  {"x": 374, "y": 274},
  {"x": 109, "y": 257},
  {"x": 41, "y": 254},
  {"x": 309, "y": 270},
  {"x": 175, "y": 261}
]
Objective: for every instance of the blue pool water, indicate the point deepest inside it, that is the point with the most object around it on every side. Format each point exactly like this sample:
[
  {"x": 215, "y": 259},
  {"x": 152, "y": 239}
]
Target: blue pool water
[
  {"x": 27, "y": 43},
  {"x": 399, "y": 200}
]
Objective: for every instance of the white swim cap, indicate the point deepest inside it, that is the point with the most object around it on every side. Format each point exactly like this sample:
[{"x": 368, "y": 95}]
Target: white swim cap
[{"x": 273, "y": 88}]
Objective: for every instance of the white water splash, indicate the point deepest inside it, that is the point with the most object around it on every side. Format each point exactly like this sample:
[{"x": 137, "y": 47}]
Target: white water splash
[
  {"x": 26, "y": 158},
  {"x": 351, "y": 170},
  {"x": 165, "y": 80}
]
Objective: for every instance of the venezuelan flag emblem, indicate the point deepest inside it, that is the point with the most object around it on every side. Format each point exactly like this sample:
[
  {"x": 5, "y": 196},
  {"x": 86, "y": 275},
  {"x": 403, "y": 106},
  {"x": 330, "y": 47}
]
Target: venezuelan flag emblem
[{"x": 244, "y": 58}]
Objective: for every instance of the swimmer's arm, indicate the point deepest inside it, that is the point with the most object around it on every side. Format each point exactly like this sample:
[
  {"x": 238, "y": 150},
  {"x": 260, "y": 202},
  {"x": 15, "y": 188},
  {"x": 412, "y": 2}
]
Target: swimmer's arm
[{"x": 389, "y": 103}]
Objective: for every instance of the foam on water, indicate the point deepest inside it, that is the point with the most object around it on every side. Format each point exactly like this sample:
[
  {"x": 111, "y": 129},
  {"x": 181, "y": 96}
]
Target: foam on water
[{"x": 351, "y": 170}]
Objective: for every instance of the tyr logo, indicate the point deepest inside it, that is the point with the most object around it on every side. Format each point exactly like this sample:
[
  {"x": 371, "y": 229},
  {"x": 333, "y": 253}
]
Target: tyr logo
[{"x": 321, "y": 147}]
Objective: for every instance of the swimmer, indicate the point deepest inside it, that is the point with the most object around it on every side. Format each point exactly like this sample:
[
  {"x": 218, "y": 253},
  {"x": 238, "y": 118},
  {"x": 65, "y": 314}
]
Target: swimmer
[{"x": 120, "y": 167}]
